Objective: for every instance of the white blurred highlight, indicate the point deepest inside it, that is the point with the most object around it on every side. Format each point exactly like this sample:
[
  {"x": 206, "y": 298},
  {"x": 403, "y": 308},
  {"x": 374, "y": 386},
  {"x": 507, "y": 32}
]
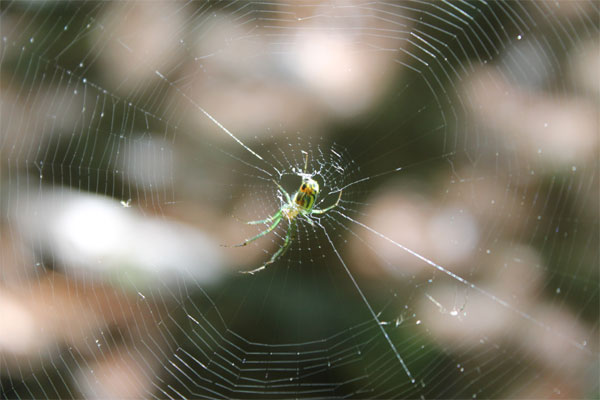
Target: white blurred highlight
[
  {"x": 294, "y": 71},
  {"x": 122, "y": 375},
  {"x": 512, "y": 274},
  {"x": 453, "y": 233},
  {"x": 336, "y": 72},
  {"x": 145, "y": 41},
  {"x": 585, "y": 66},
  {"x": 18, "y": 334},
  {"x": 561, "y": 130},
  {"x": 89, "y": 234},
  {"x": 146, "y": 160},
  {"x": 448, "y": 234}
]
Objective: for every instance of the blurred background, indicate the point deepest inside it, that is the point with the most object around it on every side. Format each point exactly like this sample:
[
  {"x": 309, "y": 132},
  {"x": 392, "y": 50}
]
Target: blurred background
[{"x": 136, "y": 138}]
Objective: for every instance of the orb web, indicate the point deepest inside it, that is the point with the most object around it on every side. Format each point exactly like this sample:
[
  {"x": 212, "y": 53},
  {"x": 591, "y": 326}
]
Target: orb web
[{"x": 137, "y": 139}]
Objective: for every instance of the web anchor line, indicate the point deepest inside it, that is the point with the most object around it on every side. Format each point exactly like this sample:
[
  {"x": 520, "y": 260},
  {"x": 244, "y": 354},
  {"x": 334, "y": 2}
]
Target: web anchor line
[
  {"x": 491, "y": 296},
  {"x": 379, "y": 324},
  {"x": 213, "y": 119},
  {"x": 391, "y": 171}
]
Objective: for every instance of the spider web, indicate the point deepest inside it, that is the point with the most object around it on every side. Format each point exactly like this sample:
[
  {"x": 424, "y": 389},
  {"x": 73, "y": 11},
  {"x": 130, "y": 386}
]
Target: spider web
[{"x": 137, "y": 138}]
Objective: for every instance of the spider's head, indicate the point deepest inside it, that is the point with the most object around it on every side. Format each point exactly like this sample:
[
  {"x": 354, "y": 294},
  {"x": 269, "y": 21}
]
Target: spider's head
[{"x": 309, "y": 186}]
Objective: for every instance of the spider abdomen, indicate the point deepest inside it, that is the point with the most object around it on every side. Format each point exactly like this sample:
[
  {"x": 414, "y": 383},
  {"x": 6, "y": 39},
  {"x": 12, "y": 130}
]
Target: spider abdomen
[
  {"x": 306, "y": 201},
  {"x": 306, "y": 196}
]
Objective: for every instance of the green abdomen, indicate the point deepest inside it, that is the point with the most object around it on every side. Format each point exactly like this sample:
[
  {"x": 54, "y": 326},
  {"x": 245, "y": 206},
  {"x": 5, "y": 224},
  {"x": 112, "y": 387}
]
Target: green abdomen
[{"x": 304, "y": 200}]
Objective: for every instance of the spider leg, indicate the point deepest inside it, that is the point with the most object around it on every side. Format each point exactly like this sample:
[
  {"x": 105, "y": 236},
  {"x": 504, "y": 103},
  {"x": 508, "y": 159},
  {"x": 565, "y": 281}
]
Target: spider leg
[
  {"x": 316, "y": 211},
  {"x": 286, "y": 245},
  {"x": 266, "y": 220},
  {"x": 306, "y": 216},
  {"x": 287, "y": 196},
  {"x": 277, "y": 220}
]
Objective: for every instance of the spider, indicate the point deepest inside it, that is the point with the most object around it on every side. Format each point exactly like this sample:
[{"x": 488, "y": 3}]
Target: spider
[{"x": 300, "y": 205}]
